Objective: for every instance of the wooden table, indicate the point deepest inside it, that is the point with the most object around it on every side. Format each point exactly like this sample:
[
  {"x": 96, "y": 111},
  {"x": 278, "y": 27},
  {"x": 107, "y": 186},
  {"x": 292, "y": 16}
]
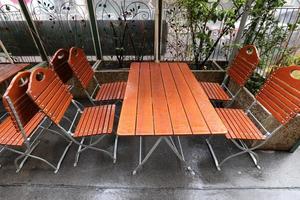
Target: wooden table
[
  {"x": 164, "y": 100},
  {"x": 9, "y": 70}
]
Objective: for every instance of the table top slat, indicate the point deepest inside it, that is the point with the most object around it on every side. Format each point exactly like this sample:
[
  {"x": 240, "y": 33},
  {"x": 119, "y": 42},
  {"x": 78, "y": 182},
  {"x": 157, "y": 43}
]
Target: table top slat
[
  {"x": 161, "y": 113},
  {"x": 8, "y": 70},
  {"x": 127, "y": 121},
  {"x": 144, "y": 123},
  {"x": 196, "y": 120},
  {"x": 178, "y": 116},
  {"x": 210, "y": 115}
]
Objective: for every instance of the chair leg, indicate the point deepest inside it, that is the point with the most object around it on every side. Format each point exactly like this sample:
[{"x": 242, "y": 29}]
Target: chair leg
[
  {"x": 254, "y": 156},
  {"x": 25, "y": 156},
  {"x": 115, "y": 149},
  {"x": 213, "y": 154},
  {"x": 63, "y": 156},
  {"x": 78, "y": 152}
]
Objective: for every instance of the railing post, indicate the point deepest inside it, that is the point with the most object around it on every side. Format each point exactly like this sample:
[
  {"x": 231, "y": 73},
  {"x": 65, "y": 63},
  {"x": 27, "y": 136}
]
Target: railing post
[
  {"x": 6, "y": 53},
  {"x": 33, "y": 31},
  {"x": 94, "y": 29},
  {"x": 157, "y": 29},
  {"x": 241, "y": 29}
]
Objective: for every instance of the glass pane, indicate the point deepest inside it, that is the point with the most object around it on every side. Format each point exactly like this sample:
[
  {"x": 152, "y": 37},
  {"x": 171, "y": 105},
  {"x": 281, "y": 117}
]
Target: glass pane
[
  {"x": 126, "y": 29},
  {"x": 15, "y": 34},
  {"x": 62, "y": 24}
]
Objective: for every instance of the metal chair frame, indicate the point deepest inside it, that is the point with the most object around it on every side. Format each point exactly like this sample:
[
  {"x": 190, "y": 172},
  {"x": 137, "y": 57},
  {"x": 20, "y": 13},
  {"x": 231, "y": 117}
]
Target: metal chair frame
[
  {"x": 81, "y": 146},
  {"x": 241, "y": 145},
  {"x": 225, "y": 87},
  {"x": 31, "y": 144}
]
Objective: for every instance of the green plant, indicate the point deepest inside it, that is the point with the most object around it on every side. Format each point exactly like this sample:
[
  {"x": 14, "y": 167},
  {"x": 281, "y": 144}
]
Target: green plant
[
  {"x": 267, "y": 33},
  {"x": 202, "y": 12}
]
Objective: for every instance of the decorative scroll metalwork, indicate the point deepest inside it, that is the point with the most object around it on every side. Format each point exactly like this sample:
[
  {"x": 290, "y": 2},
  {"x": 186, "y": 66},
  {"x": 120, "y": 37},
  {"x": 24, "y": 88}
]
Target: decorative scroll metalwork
[
  {"x": 62, "y": 24},
  {"x": 126, "y": 29},
  {"x": 123, "y": 10},
  {"x": 15, "y": 34}
]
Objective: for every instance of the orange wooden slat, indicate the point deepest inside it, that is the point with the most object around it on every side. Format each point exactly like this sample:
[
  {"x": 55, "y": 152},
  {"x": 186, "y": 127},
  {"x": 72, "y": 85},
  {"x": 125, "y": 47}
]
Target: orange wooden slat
[
  {"x": 212, "y": 119},
  {"x": 193, "y": 113},
  {"x": 111, "y": 119},
  {"x": 59, "y": 63},
  {"x": 144, "y": 121},
  {"x": 180, "y": 122},
  {"x": 162, "y": 120},
  {"x": 127, "y": 119},
  {"x": 233, "y": 133}
]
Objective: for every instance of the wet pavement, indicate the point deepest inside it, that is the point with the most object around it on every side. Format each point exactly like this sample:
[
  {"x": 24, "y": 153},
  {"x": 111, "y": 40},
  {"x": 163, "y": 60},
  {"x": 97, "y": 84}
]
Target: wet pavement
[{"x": 162, "y": 177}]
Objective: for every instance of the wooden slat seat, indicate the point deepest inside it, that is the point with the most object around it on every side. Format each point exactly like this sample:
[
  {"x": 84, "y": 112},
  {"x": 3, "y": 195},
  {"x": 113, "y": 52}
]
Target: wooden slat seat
[
  {"x": 239, "y": 71},
  {"x": 96, "y": 120},
  {"x": 214, "y": 91},
  {"x": 109, "y": 91},
  {"x": 10, "y": 136},
  {"x": 239, "y": 125},
  {"x": 53, "y": 98},
  {"x": 83, "y": 71}
]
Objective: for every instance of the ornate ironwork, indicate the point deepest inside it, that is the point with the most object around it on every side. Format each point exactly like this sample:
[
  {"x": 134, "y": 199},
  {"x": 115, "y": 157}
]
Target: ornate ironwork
[
  {"x": 15, "y": 34},
  {"x": 127, "y": 26},
  {"x": 123, "y": 10},
  {"x": 62, "y": 24}
]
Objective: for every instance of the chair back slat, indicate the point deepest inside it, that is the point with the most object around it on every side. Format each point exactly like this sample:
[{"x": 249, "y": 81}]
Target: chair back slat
[
  {"x": 49, "y": 93},
  {"x": 80, "y": 66},
  {"x": 244, "y": 64},
  {"x": 280, "y": 94},
  {"x": 25, "y": 108},
  {"x": 60, "y": 65}
]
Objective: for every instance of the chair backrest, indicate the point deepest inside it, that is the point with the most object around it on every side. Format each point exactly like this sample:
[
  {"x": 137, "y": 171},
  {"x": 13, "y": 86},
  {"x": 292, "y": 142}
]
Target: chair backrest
[
  {"x": 25, "y": 108},
  {"x": 280, "y": 94},
  {"x": 81, "y": 67},
  {"x": 244, "y": 64},
  {"x": 60, "y": 65},
  {"x": 49, "y": 93}
]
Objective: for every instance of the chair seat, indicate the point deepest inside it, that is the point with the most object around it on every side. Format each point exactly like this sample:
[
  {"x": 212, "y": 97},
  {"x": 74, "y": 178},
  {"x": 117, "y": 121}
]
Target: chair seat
[
  {"x": 96, "y": 120},
  {"x": 214, "y": 91},
  {"x": 239, "y": 125},
  {"x": 9, "y": 135},
  {"x": 111, "y": 91}
]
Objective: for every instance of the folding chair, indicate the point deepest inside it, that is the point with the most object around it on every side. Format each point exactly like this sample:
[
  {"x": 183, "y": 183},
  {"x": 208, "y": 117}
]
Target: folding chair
[
  {"x": 60, "y": 65},
  {"x": 20, "y": 128},
  {"x": 83, "y": 71},
  {"x": 240, "y": 71},
  {"x": 54, "y": 98},
  {"x": 280, "y": 95}
]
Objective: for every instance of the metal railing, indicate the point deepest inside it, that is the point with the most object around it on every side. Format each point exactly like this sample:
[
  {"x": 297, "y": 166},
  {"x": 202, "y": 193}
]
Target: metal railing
[{"x": 119, "y": 31}]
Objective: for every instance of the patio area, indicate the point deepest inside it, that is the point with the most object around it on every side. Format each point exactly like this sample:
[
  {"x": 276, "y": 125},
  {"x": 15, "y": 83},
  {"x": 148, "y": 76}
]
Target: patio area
[
  {"x": 96, "y": 177},
  {"x": 149, "y": 99}
]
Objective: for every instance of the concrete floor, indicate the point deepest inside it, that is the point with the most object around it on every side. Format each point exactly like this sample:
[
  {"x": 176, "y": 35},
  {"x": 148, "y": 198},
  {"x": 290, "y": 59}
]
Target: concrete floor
[{"x": 163, "y": 177}]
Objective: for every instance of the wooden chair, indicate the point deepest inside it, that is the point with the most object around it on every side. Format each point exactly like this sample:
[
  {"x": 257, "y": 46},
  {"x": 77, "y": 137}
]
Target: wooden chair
[
  {"x": 83, "y": 71},
  {"x": 280, "y": 95},
  {"x": 53, "y": 98},
  {"x": 60, "y": 65},
  {"x": 20, "y": 128},
  {"x": 240, "y": 71}
]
